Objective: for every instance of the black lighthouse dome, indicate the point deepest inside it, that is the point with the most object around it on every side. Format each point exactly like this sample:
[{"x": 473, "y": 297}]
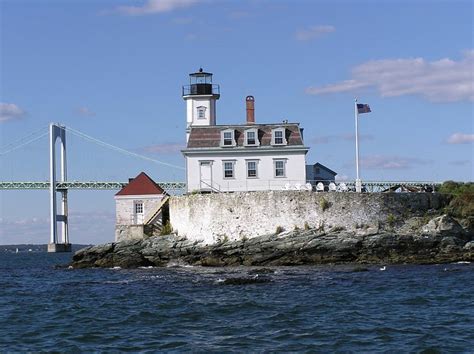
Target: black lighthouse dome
[{"x": 200, "y": 83}]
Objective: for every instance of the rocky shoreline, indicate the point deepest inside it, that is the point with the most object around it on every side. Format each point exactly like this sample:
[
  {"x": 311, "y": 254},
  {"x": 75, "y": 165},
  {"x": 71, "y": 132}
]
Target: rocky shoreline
[{"x": 440, "y": 240}]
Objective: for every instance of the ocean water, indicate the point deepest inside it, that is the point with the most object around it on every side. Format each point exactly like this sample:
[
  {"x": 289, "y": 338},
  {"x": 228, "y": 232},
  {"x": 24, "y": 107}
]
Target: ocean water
[{"x": 407, "y": 308}]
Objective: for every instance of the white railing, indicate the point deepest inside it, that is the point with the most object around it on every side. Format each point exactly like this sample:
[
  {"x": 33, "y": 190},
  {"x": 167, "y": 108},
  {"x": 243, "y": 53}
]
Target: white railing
[
  {"x": 320, "y": 186},
  {"x": 210, "y": 187}
]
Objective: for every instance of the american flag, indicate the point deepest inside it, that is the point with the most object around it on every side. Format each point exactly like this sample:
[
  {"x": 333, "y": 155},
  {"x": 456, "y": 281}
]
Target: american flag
[{"x": 363, "y": 108}]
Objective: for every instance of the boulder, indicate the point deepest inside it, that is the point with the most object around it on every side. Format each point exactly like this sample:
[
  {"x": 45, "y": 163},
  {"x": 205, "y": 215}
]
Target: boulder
[
  {"x": 469, "y": 246},
  {"x": 443, "y": 224}
]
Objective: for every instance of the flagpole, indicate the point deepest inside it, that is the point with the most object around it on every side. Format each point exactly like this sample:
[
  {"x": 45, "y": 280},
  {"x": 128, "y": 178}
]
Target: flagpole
[{"x": 358, "y": 183}]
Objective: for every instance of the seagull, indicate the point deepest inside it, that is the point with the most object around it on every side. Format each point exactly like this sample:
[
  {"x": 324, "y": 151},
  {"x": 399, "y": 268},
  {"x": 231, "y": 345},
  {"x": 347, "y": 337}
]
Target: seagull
[{"x": 383, "y": 268}]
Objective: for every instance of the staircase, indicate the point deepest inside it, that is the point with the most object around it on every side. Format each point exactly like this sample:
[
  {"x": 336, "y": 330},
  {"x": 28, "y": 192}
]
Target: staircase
[{"x": 155, "y": 214}]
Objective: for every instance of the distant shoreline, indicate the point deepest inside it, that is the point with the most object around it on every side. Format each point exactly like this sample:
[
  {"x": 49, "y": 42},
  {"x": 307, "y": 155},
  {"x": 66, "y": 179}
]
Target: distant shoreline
[{"x": 42, "y": 247}]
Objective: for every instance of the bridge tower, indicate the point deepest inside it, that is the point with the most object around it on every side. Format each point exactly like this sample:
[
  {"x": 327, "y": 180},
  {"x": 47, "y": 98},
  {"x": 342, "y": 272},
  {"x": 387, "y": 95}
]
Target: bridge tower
[{"x": 57, "y": 131}]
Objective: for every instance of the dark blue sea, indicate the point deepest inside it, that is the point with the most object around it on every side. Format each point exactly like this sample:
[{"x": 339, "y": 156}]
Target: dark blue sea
[{"x": 411, "y": 308}]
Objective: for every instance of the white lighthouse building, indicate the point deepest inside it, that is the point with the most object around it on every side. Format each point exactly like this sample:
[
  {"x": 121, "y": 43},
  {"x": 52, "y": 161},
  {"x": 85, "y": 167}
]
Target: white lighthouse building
[
  {"x": 200, "y": 96},
  {"x": 238, "y": 157}
]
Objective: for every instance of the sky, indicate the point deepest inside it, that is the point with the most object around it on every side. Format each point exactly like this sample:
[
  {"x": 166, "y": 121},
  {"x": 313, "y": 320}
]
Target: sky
[{"x": 114, "y": 70}]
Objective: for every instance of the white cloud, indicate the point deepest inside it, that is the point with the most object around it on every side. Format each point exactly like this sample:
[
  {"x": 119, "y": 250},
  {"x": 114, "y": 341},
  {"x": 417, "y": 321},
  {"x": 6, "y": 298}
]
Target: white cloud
[
  {"x": 444, "y": 80},
  {"x": 165, "y": 148},
  {"x": 151, "y": 7},
  {"x": 86, "y": 112},
  {"x": 460, "y": 138},
  {"x": 10, "y": 111},
  {"x": 313, "y": 32},
  {"x": 380, "y": 162}
]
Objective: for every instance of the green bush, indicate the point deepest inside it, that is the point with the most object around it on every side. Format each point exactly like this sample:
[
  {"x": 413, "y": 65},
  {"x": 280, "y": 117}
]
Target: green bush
[
  {"x": 391, "y": 219},
  {"x": 167, "y": 229},
  {"x": 324, "y": 204},
  {"x": 461, "y": 204}
]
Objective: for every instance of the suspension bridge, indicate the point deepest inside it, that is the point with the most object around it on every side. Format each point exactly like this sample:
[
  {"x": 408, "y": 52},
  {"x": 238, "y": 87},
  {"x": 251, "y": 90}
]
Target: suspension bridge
[
  {"x": 59, "y": 233},
  {"x": 60, "y": 185}
]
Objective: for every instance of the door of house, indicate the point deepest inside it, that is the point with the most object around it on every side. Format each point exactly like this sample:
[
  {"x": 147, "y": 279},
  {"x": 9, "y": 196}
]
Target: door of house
[
  {"x": 206, "y": 175},
  {"x": 138, "y": 213}
]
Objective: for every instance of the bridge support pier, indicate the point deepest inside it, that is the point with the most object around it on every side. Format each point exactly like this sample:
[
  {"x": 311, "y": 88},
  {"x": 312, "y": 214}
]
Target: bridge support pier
[
  {"x": 59, "y": 247},
  {"x": 55, "y": 245}
]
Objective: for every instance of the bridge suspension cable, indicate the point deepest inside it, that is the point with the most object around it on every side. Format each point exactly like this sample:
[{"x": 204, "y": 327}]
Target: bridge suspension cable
[
  {"x": 28, "y": 139},
  {"x": 119, "y": 149}
]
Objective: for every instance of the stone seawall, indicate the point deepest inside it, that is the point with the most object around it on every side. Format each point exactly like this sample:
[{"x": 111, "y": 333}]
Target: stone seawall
[{"x": 214, "y": 218}]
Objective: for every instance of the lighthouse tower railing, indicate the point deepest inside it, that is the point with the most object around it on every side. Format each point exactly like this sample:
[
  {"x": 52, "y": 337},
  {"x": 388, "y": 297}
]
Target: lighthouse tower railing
[{"x": 201, "y": 89}]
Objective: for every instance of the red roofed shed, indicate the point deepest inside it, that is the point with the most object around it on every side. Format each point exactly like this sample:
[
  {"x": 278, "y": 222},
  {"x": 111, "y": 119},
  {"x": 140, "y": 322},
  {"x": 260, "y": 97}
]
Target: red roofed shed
[{"x": 141, "y": 185}]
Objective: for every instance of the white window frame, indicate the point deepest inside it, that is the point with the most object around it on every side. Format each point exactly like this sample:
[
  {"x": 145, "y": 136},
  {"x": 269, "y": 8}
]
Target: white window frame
[
  {"x": 247, "y": 168},
  {"x": 138, "y": 212},
  {"x": 199, "y": 110},
  {"x": 275, "y": 161},
  {"x": 224, "y": 162},
  {"x": 232, "y": 132},
  {"x": 255, "y": 131},
  {"x": 282, "y": 131},
  {"x": 138, "y": 204}
]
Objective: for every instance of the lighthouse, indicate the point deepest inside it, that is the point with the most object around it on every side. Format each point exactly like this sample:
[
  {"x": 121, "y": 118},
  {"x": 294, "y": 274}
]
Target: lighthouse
[{"x": 200, "y": 96}]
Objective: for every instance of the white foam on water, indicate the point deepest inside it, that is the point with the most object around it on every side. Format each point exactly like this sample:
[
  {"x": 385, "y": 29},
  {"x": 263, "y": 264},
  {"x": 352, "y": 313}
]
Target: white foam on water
[{"x": 178, "y": 265}]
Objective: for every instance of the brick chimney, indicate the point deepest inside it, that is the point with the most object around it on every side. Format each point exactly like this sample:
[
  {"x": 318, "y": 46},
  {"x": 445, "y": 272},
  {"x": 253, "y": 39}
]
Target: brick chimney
[{"x": 250, "y": 103}]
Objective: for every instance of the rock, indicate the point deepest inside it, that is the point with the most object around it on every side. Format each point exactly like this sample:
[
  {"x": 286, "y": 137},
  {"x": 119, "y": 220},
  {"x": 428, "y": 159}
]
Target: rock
[
  {"x": 469, "y": 246},
  {"x": 360, "y": 269},
  {"x": 244, "y": 281},
  {"x": 468, "y": 224},
  {"x": 442, "y": 240},
  {"x": 443, "y": 224}
]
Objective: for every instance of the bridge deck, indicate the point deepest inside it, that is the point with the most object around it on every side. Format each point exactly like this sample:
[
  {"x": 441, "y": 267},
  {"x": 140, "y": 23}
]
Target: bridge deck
[
  {"x": 83, "y": 185},
  {"x": 370, "y": 186}
]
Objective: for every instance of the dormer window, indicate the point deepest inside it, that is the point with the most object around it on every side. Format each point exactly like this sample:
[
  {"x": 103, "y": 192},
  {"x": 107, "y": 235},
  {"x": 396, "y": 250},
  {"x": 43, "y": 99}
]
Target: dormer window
[
  {"x": 251, "y": 137},
  {"x": 227, "y": 138},
  {"x": 278, "y": 136},
  {"x": 201, "y": 112}
]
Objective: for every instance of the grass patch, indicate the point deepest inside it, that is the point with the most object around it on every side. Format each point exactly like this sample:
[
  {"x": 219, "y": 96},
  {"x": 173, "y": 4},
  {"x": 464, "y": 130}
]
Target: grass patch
[
  {"x": 167, "y": 229},
  {"x": 391, "y": 220},
  {"x": 462, "y": 203},
  {"x": 324, "y": 204}
]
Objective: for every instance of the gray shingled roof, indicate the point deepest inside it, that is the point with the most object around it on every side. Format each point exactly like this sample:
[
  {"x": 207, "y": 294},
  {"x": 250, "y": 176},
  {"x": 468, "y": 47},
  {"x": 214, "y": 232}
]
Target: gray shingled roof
[{"x": 210, "y": 136}]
